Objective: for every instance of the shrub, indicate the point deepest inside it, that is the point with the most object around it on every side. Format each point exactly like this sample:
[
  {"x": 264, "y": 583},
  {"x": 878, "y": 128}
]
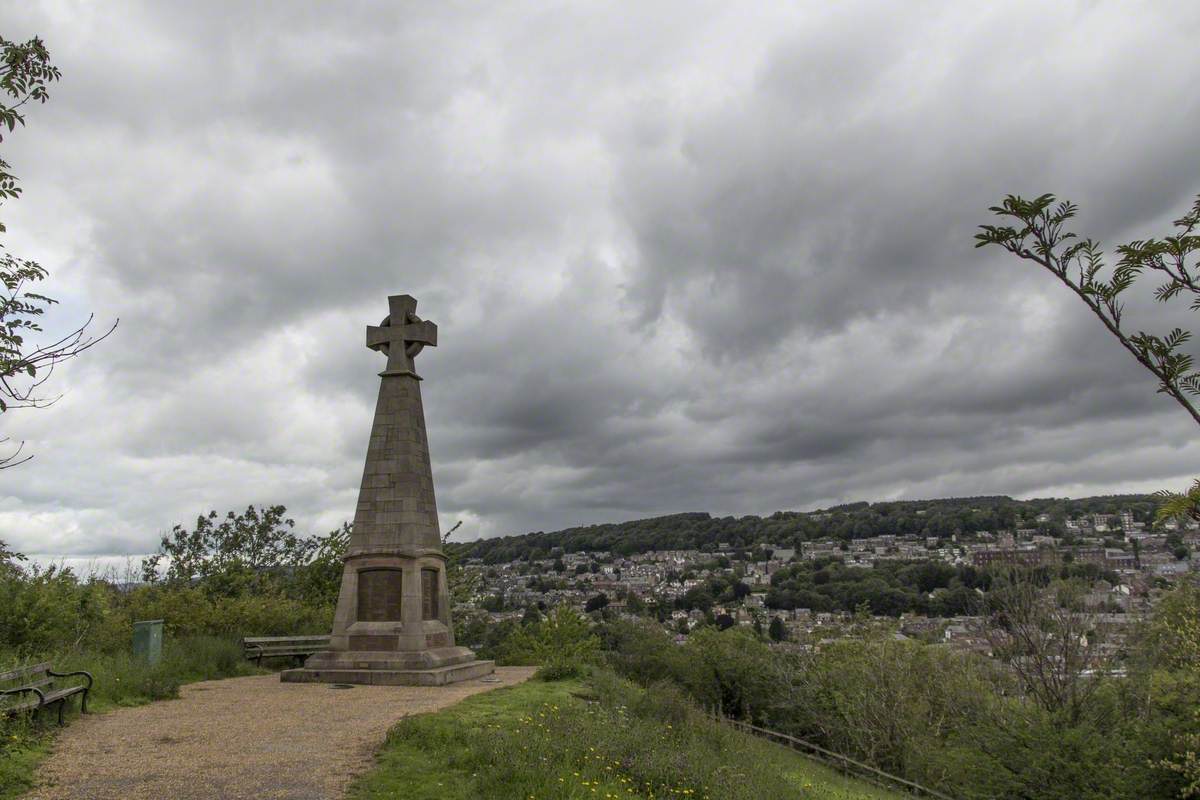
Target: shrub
[
  {"x": 191, "y": 611},
  {"x": 50, "y": 609},
  {"x": 736, "y": 673},
  {"x": 562, "y": 644},
  {"x": 642, "y": 651},
  {"x": 663, "y": 701}
]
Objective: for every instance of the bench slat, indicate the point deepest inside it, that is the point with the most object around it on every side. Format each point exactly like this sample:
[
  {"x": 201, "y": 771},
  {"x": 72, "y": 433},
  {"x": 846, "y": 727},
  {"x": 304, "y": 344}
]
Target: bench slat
[
  {"x": 33, "y": 684},
  {"x": 274, "y": 648},
  {"x": 58, "y": 694},
  {"x": 260, "y": 647},
  {"x": 24, "y": 672}
]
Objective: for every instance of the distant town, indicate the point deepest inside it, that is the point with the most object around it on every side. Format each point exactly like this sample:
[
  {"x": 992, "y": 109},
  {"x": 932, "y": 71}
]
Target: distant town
[{"x": 803, "y": 593}]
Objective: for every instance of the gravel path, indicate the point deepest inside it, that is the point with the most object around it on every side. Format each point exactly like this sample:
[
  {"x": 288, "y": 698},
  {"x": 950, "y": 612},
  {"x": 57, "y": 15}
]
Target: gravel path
[{"x": 240, "y": 738}]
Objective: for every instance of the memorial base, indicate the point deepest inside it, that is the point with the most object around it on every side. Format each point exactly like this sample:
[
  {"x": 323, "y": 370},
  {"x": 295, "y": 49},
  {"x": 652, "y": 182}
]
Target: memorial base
[
  {"x": 437, "y": 676},
  {"x": 434, "y": 667}
]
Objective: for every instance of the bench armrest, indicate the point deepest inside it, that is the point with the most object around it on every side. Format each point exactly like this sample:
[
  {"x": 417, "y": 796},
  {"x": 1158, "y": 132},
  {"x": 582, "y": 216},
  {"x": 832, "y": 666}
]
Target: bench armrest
[
  {"x": 22, "y": 689},
  {"x": 87, "y": 675}
]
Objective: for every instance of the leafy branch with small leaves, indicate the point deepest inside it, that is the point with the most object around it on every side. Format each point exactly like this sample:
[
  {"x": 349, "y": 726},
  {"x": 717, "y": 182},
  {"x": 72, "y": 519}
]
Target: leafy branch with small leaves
[
  {"x": 25, "y": 73},
  {"x": 1179, "y": 505},
  {"x": 1040, "y": 235}
]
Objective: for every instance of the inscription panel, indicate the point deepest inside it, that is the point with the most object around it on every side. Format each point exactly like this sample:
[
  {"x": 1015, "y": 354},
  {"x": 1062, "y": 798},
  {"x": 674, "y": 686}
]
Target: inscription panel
[
  {"x": 379, "y": 592},
  {"x": 429, "y": 594}
]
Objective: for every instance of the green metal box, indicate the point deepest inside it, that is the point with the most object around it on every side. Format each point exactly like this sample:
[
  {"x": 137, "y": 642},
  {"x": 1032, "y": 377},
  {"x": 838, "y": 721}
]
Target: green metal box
[{"x": 147, "y": 640}]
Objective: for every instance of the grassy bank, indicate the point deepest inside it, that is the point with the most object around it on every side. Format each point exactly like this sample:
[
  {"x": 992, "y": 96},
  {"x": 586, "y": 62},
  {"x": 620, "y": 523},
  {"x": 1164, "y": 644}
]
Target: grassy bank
[
  {"x": 598, "y": 738},
  {"x": 120, "y": 680}
]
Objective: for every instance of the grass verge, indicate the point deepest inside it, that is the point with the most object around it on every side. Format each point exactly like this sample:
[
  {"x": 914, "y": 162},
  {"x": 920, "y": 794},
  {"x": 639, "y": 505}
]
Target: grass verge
[
  {"x": 597, "y": 738},
  {"x": 119, "y": 680}
]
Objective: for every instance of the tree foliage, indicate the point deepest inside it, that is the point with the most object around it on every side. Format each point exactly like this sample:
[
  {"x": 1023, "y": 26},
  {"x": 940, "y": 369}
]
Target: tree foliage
[
  {"x": 9, "y": 558},
  {"x": 1038, "y": 232},
  {"x": 1180, "y": 505},
  {"x": 1049, "y": 641},
  {"x": 247, "y": 551},
  {"x": 562, "y": 644},
  {"x": 25, "y": 74}
]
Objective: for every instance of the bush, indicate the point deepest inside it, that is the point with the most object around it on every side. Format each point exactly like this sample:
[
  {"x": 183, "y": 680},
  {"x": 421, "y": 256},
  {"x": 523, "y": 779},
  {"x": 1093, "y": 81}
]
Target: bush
[
  {"x": 643, "y": 652},
  {"x": 736, "y": 673},
  {"x": 664, "y": 702},
  {"x": 51, "y": 609},
  {"x": 191, "y": 611},
  {"x": 731, "y": 671},
  {"x": 562, "y": 644}
]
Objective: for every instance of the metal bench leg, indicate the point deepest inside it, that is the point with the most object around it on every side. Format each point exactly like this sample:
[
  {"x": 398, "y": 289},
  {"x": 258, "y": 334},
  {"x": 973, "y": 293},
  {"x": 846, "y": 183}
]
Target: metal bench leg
[
  {"x": 62, "y": 705},
  {"x": 83, "y": 702}
]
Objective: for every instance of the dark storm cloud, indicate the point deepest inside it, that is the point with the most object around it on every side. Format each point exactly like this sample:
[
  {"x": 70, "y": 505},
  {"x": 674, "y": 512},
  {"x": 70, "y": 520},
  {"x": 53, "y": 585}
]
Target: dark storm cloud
[{"x": 683, "y": 258}]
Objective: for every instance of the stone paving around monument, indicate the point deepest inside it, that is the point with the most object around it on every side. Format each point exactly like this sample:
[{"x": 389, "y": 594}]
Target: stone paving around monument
[{"x": 240, "y": 738}]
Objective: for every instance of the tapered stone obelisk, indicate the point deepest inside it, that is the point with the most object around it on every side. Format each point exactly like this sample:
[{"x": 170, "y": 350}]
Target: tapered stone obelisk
[{"x": 392, "y": 624}]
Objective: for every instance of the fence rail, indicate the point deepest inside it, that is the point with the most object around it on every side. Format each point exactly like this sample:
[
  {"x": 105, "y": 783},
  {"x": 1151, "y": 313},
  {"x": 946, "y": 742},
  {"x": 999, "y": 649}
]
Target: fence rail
[{"x": 845, "y": 763}]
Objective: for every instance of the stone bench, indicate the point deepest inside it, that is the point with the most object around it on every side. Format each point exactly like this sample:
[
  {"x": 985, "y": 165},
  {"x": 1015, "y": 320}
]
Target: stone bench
[
  {"x": 30, "y": 689},
  {"x": 256, "y": 648}
]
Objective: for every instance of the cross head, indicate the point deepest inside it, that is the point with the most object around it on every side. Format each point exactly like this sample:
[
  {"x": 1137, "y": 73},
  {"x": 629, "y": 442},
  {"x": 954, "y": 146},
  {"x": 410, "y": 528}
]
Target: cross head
[{"x": 401, "y": 335}]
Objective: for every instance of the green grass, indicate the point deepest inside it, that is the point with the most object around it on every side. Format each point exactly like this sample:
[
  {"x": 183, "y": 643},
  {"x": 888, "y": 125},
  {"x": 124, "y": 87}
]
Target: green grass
[
  {"x": 603, "y": 738},
  {"x": 22, "y": 747},
  {"x": 120, "y": 680}
]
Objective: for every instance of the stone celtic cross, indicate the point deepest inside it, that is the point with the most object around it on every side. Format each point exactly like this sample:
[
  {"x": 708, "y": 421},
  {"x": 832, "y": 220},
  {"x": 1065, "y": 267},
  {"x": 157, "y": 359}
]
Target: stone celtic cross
[{"x": 402, "y": 335}]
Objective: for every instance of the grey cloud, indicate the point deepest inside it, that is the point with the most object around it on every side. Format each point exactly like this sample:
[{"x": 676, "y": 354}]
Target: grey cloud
[{"x": 681, "y": 257}]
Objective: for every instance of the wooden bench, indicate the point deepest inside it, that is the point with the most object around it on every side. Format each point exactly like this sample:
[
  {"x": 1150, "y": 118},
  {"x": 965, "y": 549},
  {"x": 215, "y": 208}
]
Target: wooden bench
[
  {"x": 38, "y": 680},
  {"x": 257, "y": 648}
]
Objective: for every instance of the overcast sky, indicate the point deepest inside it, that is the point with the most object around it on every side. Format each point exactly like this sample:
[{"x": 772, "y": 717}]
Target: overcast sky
[{"x": 682, "y": 256}]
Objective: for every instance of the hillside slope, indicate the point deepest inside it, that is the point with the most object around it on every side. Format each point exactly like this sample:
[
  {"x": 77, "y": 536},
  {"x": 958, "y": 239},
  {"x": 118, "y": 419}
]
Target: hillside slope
[
  {"x": 600, "y": 739},
  {"x": 702, "y": 531}
]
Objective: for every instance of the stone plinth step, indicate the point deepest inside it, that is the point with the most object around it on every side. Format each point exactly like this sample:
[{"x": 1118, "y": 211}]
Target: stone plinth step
[{"x": 438, "y": 676}]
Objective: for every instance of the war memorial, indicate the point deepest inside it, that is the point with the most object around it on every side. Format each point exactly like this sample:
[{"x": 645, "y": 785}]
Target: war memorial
[{"x": 392, "y": 623}]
